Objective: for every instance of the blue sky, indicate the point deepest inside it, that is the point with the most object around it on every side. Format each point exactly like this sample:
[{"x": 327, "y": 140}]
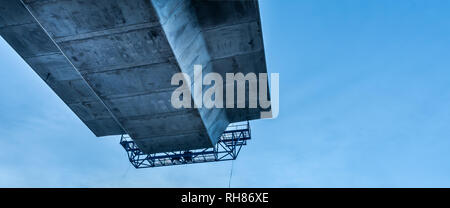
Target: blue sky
[{"x": 364, "y": 102}]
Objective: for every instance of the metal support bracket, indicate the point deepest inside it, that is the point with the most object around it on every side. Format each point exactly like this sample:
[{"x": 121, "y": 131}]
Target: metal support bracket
[{"x": 227, "y": 148}]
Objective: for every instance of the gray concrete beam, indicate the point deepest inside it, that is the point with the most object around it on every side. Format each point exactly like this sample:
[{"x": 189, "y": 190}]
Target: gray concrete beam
[
  {"x": 112, "y": 61},
  {"x": 185, "y": 36}
]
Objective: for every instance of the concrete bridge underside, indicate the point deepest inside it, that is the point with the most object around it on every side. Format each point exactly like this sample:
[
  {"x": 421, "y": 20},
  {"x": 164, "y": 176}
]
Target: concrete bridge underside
[{"x": 111, "y": 61}]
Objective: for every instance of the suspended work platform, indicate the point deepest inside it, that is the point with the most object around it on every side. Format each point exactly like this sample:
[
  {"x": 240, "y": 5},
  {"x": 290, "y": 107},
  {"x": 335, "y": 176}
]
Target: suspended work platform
[{"x": 228, "y": 148}]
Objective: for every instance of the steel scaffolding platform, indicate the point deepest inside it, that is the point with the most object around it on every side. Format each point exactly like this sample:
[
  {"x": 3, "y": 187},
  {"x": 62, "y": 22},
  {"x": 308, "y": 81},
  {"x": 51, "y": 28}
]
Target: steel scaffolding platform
[{"x": 227, "y": 148}]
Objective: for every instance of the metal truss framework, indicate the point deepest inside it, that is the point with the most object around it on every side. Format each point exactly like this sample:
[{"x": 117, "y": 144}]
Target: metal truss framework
[{"x": 227, "y": 148}]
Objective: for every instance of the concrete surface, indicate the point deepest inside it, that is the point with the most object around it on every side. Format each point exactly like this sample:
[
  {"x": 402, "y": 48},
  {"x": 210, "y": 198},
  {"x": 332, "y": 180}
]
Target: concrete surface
[{"x": 111, "y": 61}]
